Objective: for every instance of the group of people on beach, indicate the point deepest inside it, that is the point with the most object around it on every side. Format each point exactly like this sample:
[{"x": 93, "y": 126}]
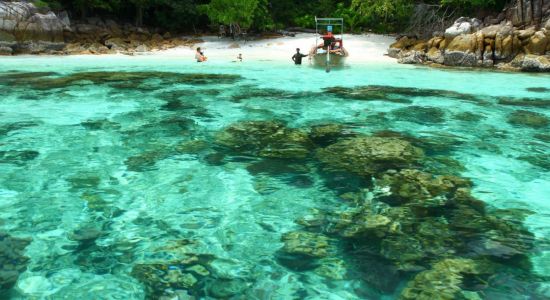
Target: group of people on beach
[
  {"x": 200, "y": 57},
  {"x": 330, "y": 43}
]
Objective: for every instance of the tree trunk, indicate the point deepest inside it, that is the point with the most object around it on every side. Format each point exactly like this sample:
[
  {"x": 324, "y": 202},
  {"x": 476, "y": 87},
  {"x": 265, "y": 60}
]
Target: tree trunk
[
  {"x": 521, "y": 17},
  {"x": 139, "y": 15},
  {"x": 532, "y": 7},
  {"x": 541, "y": 12},
  {"x": 83, "y": 12}
]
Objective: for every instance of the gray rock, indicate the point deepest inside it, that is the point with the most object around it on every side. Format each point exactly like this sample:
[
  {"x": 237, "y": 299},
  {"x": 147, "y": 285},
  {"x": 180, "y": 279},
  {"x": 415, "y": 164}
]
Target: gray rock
[
  {"x": 435, "y": 56},
  {"x": 32, "y": 47},
  {"x": 86, "y": 28},
  {"x": 459, "y": 58},
  {"x": 394, "y": 52},
  {"x": 463, "y": 26},
  {"x": 535, "y": 63},
  {"x": 64, "y": 18},
  {"x": 411, "y": 57},
  {"x": 526, "y": 33},
  {"x": 6, "y": 37},
  {"x": 142, "y": 48},
  {"x": 6, "y": 50},
  {"x": 491, "y": 31},
  {"x": 22, "y": 22}
]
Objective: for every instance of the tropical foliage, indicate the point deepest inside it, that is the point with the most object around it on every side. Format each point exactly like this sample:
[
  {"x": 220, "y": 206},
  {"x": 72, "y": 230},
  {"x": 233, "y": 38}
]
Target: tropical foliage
[{"x": 186, "y": 15}]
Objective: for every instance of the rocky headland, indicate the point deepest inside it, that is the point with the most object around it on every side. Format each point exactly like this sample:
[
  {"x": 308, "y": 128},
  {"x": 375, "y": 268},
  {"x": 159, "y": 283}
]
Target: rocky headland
[
  {"x": 27, "y": 29},
  {"x": 518, "y": 39}
]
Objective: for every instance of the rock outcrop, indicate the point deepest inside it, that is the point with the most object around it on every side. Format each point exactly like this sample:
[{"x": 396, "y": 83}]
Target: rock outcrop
[
  {"x": 26, "y": 29},
  {"x": 520, "y": 42}
]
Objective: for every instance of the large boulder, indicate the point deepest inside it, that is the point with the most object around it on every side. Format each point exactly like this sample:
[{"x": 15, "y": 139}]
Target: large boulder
[
  {"x": 462, "y": 51},
  {"x": 40, "y": 27},
  {"x": 463, "y": 26},
  {"x": 23, "y": 21},
  {"x": 369, "y": 155},
  {"x": 538, "y": 43},
  {"x": 532, "y": 63},
  {"x": 435, "y": 55},
  {"x": 507, "y": 45},
  {"x": 411, "y": 57},
  {"x": 403, "y": 43},
  {"x": 29, "y": 31}
]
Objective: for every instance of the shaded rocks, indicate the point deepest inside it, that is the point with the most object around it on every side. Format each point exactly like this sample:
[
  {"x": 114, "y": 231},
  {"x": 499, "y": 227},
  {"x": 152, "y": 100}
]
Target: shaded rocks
[
  {"x": 326, "y": 134},
  {"x": 422, "y": 188},
  {"x": 420, "y": 114},
  {"x": 529, "y": 119},
  {"x": 306, "y": 244},
  {"x": 18, "y": 157},
  {"x": 23, "y": 29},
  {"x": 443, "y": 281},
  {"x": 192, "y": 276},
  {"x": 268, "y": 139},
  {"x": 13, "y": 262},
  {"x": 467, "y": 43},
  {"x": 368, "y": 155}
]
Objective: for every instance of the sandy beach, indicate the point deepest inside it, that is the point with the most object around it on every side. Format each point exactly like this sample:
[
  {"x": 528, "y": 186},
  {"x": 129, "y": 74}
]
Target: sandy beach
[{"x": 362, "y": 48}]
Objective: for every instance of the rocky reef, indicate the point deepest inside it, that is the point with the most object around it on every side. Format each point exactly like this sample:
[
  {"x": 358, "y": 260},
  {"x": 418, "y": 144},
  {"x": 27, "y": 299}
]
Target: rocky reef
[
  {"x": 118, "y": 80},
  {"x": 191, "y": 276},
  {"x": 28, "y": 29},
  {"x": 407, "y": 223},
  {"x": 518, "y": 40},
  {"x": 267, "y": 139},
  {"x": 12, "y": 259}
]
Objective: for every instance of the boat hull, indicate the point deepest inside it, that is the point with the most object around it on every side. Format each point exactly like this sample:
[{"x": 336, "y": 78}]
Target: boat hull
[{"x": 336, "y": 60}]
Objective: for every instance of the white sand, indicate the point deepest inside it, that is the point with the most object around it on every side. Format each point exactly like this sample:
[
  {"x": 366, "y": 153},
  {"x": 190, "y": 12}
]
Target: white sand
[{"x": 362, "y": 48}]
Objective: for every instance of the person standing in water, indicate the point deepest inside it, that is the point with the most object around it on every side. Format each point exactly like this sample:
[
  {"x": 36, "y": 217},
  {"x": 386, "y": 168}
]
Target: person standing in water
[
  {"x": 240, "y": 57},
  {"x": 297, "y": 58},
  {"x": 199, "y": 55}
]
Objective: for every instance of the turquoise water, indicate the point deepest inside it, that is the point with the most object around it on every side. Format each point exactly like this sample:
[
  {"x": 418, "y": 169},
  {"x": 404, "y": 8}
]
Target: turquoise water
[{"x": 109, "y": 175}]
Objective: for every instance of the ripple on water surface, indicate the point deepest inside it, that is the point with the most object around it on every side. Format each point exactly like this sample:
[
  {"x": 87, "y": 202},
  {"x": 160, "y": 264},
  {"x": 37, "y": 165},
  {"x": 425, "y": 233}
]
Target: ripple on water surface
[{"x": 142, "y": 180}]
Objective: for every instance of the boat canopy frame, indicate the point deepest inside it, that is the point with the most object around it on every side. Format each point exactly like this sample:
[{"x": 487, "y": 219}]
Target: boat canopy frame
[
  {"x": 324, "y": 23},
  {"x": 329, "y": 24}
]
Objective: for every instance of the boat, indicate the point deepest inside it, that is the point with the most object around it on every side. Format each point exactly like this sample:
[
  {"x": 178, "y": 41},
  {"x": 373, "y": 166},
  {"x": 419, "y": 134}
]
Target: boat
[{"x": 329, "y": 51}]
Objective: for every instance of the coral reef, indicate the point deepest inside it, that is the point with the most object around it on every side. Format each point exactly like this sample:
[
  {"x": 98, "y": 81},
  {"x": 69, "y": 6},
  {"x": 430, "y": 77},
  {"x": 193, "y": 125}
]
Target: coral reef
[
  {"x": 529, "y": 119},
  {"x": 369, "y": 155},
  {"x": 420, "y": 114},
  {"x": 13, "y": 262},
  {"x": 268, "y": 139}
]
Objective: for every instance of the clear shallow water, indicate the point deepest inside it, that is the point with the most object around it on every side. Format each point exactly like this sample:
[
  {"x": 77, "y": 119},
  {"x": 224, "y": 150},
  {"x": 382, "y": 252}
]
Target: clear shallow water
[{"x": 100, "y": 188}]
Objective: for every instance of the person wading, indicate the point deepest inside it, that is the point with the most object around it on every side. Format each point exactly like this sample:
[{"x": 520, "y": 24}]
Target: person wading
[{"x": 297, "y": 58}]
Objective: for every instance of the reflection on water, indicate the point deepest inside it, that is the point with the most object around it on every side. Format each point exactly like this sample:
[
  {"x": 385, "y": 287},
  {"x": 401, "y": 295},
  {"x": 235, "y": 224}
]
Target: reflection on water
[{"x": 140, "y": 181}]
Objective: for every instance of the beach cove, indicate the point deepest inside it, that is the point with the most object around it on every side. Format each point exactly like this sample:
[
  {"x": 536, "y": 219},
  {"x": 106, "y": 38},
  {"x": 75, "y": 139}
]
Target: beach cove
[{"x": 155, "y": 177}]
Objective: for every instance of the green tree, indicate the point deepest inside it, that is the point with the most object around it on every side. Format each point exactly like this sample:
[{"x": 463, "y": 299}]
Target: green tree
[
  {"x": 384, "y": 15},
  {"x": 231, "y": 11}
]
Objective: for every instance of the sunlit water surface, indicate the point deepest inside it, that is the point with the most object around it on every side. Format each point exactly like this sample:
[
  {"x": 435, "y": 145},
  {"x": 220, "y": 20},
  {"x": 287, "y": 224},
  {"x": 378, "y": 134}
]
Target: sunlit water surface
[{"x": 76, "y": 179}]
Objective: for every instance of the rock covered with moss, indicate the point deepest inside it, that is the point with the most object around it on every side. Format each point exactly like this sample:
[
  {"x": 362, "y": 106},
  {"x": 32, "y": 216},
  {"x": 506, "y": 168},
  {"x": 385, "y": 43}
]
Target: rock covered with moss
[
  {"x": 306, "y": 243},
  {"x": 528, "y": 118},
  {"x": 443, "y": 281},
  {"x": 13, "y": 261},
  {"x": 268, "y": 139},
  {"x": 192, "y": 276},
  {"x": 423, "y": 188},
  {"x": 369, "y": 155},
  {"x": 509, "y": 45}
]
